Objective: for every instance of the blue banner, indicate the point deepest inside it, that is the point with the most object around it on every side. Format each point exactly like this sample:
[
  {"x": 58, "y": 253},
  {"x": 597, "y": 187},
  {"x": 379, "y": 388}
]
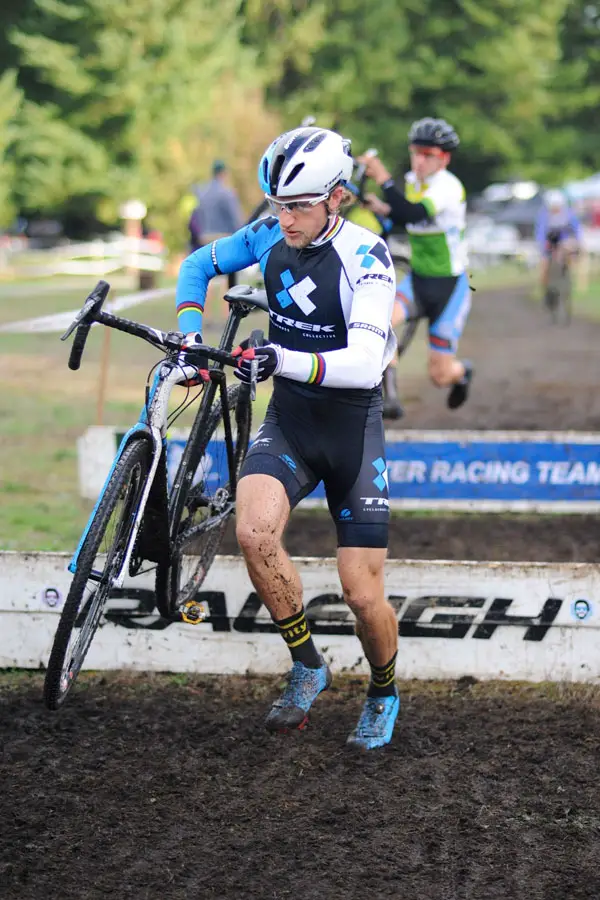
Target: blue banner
[
  {"x": 485, "y": 470},
  {"x": 423, "y": 472}
]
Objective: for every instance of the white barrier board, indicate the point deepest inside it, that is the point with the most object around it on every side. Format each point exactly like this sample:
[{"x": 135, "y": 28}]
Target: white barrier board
[{"x": 523, "y": 621}]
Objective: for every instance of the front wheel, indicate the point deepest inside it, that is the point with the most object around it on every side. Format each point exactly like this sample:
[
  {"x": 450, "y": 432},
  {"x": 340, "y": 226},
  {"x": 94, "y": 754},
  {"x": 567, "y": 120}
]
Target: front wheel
[
  {"x": 99, "y": 562},
  {"x": 208, "y": 507}
]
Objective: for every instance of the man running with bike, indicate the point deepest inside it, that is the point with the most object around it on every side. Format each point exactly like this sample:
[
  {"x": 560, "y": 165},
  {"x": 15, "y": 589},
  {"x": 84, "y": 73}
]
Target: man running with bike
[
  {"x": 330, "y": 285},
  {"x": 432, "y": 207}
]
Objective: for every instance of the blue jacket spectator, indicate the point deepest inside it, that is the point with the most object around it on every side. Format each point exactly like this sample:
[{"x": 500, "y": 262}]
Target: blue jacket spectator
[{"x": 218, "y": 212}]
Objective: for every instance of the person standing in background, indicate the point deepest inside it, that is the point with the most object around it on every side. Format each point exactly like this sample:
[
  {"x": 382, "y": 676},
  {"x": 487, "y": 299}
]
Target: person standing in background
[{"x": 218, "y": 212}]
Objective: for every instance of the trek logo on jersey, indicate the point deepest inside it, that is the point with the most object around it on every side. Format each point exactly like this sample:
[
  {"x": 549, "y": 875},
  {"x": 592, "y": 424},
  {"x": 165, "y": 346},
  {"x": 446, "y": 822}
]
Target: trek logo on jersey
[
  {"x": 374, "y": 276},
  {"x": 286, "y": 322},
  {"x": 296, "y": 293},
  {"x": 371, "y": 254}
]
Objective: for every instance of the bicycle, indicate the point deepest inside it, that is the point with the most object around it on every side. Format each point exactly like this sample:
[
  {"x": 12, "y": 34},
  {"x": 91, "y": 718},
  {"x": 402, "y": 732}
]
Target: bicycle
[
  {"x": 136, "y": 518},
  {"x": 558, "y": 296}
]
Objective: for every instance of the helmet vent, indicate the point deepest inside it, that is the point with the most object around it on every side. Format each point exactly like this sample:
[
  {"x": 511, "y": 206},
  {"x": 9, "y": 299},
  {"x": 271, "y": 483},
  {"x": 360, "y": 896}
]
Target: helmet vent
[
  {"x": 314, "y": 142},
  {"x": 293, "y": 174},
  {"x": 276, "y": 171}
]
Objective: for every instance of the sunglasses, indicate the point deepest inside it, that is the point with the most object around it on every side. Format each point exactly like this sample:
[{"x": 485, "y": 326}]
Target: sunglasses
[
  {"x": 417, "y": 150},
  {"x": 302, "y": 204}
]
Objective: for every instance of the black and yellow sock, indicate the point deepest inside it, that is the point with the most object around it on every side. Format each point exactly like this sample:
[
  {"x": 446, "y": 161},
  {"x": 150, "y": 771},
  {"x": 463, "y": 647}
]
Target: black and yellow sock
[
  {"x": 296, "y": 633},
  {"x": 382, "y": 679}
]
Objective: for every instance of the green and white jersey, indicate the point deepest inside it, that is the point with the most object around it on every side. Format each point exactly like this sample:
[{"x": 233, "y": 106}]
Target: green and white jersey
[{"x": 438, "y": 245}]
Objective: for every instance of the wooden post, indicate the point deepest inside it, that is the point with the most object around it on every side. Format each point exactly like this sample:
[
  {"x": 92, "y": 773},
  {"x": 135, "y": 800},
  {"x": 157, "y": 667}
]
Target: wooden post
[{"x": 103, "y": 378}]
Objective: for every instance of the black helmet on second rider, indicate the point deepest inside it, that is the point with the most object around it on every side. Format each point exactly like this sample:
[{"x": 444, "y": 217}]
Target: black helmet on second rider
[{"x": 433, "y": 133}]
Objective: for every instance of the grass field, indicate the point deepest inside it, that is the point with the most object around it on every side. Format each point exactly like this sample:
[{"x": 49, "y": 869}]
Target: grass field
[{"x": 44, "y": 407}]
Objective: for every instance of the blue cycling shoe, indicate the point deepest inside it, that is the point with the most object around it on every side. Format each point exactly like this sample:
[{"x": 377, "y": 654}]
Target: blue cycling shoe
[
  {"x": 304, "y": 686},
  {"x": 376, "y": 723}
]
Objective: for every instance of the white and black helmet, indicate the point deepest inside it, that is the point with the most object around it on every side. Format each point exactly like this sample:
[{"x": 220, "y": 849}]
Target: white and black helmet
[
  {"x": 305, "y": 161},
  {"x": 433, "y": 133}
]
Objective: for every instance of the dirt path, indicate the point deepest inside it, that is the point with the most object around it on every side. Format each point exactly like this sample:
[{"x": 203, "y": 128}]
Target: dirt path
[
  {"x": 169, "y": 788},
  {"x": 514, "y": 538},
  {"x": 530, "y": 374}
]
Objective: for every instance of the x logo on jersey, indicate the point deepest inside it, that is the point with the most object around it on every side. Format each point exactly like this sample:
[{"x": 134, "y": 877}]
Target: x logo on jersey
[
  {"x": 370, "y": 254},
  {"x": 296, "y": 293}
]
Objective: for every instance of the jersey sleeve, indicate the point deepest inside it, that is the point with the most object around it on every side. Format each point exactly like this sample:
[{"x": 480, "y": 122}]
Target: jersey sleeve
[
  {"x": 371, "y": 342},
  {"x": 225, "y": 255}
]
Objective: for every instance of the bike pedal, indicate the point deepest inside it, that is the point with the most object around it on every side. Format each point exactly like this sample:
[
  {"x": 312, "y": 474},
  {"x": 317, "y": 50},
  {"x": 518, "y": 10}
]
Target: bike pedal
[{"x": 193, "y": 612}]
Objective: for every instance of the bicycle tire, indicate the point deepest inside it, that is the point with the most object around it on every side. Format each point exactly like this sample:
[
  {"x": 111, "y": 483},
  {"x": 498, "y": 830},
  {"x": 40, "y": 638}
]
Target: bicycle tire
[
  {"x": 408, "y": 332},
  {"x": 65, "y": 659},
  {"x": 565, "y": 300},
  {"x": 554, "y": 290},
  {"x": 202, "y": 537}
]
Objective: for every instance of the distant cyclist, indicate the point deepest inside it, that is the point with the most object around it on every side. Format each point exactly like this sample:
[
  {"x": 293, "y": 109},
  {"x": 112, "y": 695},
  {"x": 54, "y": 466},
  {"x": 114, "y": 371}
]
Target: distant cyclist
[
  {"x": 557, "y": 226},
  {"x": 432, "y": 207}
]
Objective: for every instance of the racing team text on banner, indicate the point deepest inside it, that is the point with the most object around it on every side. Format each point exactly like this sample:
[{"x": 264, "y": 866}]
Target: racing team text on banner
[{"x": 430, "y": 469}]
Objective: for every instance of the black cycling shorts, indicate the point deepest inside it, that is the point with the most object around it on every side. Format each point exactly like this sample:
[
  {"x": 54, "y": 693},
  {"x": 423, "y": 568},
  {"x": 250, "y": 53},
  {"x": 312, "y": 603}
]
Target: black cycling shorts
[
  {"x": 444, "y": 301},
  {"x": 312, "y": 434}
]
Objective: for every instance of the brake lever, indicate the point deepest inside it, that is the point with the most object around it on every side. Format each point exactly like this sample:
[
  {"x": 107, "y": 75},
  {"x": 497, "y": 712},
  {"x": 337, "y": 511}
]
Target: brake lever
[
  {"x": 83, "y": 312},
  {"x": 253, "y": 378}
]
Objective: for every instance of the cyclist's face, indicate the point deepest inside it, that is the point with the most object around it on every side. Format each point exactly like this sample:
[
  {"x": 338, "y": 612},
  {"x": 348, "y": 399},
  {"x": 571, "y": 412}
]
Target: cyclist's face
[
  {"x": 426, "y": 161},
  {"x": 303, "y": 223}
]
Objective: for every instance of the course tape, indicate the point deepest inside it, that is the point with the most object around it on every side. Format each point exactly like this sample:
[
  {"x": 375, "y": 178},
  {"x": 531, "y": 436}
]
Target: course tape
[{"x": 61, "y": 321}]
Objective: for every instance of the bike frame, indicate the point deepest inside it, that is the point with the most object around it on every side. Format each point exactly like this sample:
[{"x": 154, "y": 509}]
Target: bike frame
[{"x": 152, "y": 423}]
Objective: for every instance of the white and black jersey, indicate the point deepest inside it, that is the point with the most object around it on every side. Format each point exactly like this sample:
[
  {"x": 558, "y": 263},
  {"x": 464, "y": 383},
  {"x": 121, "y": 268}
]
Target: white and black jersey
[
  {"x": 330, "y": 308},
  {"x": 330, "y": 304}
]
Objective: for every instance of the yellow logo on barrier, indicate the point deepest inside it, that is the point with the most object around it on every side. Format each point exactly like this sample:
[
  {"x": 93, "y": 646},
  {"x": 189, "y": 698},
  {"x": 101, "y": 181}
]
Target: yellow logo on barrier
[{"x": 193, "y": 612}]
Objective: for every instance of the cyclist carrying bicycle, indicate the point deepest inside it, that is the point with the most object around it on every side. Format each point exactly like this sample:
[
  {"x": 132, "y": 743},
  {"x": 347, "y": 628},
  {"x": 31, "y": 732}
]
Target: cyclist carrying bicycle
[
  {"x": 557, "y": 228},
  {"x": 330, "y": 286},
  {"x": 432, "y": 207}
]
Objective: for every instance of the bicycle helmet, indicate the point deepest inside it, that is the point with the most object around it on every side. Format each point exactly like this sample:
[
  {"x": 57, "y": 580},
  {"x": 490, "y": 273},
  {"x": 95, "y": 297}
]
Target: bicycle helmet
[
  {"x": 555, "y": 199},
  {"x": 305, "y": 161},
  {"x": 433, "y": 133}
]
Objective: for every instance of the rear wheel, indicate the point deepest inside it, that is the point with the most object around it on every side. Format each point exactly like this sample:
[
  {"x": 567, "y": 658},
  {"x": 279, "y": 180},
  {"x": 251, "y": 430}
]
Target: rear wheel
[
  {"x": 565, "y": 304},
  {"x": 558, "y": 292},
  {"x": 208, "y": 507},
  {"x": 99, "y": 562}
]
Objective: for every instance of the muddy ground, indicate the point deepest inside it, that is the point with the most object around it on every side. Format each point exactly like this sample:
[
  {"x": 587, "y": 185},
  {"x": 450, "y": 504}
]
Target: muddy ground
[
  {"x": 529, "y": 374},
  {"x": 517, "y": 538},
  {"x": 169, "y": 788}
]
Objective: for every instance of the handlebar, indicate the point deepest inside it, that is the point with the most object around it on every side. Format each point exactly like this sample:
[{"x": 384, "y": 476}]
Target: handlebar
[
  {"x": 83, "y": 321},
  {"x": 168, "y": 341}
]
